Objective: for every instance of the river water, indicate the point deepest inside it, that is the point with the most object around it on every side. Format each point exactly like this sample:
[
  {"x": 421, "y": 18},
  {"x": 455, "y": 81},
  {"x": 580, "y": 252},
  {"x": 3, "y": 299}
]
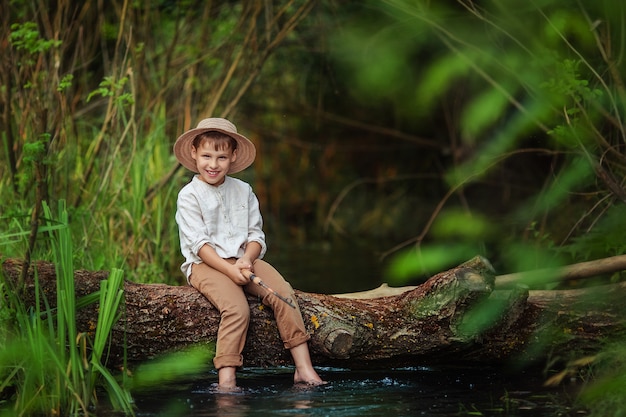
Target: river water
[
  {"x": 398, "y": 392},
  {"x": 416, "y": 391}
]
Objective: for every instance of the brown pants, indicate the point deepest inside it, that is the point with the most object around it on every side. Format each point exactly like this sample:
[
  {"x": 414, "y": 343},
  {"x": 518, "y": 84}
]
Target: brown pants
[{"x": 230, "y": 300}]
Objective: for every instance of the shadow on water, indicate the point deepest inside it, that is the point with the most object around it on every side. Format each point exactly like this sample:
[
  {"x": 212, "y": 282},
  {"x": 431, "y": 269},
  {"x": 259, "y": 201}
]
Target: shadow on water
[{"x": 400, "y": 392}]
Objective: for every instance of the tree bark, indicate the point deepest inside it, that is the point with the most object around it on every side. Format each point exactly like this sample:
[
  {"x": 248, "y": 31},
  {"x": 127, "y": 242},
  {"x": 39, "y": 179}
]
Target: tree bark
[{"x": 455, "y": 316}]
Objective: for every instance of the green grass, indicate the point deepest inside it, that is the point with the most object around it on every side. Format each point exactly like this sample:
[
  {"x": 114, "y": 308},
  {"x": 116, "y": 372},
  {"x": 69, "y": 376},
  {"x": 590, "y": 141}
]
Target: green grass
[{"x": 48, "y": 367}]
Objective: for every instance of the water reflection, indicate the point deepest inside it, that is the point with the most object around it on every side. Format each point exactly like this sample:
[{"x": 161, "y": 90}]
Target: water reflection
[{"x": 230, "y": 405}]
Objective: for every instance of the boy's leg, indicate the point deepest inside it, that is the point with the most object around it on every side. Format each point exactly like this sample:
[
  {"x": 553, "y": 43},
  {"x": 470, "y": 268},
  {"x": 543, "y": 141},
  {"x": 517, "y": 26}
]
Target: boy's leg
[
  {"x": 305, "y": 373},
  {"x": 234, "y": 309},
  {"x": 289, "y": 320}
]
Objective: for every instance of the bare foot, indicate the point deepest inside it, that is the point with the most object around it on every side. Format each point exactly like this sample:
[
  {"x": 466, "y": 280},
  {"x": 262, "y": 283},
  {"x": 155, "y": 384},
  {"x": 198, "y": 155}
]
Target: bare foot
[
  {"x": 305, "y": 374},
  {"x": 308, "y": 377}
]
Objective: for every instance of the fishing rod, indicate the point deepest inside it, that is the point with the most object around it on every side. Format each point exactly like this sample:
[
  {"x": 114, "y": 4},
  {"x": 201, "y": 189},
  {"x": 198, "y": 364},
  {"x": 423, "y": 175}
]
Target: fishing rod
[{"x": 250, "y": 275}]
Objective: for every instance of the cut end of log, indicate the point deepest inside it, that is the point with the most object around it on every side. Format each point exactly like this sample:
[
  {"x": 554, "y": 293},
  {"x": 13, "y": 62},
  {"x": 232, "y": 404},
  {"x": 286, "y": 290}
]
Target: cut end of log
[{"x": 338, "y": 343}]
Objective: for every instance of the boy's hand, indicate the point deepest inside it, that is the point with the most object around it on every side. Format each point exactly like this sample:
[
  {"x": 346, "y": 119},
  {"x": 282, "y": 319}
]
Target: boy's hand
[
  {"x": 237, "y": 276},
  {"x": 244, "y": 263},
  {"x": 234, "y": 273}
]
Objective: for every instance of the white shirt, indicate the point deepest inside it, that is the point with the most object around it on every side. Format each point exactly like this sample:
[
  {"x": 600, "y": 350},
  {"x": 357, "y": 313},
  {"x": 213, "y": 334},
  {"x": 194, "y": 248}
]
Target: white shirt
[{"x": 225, "y": 217}]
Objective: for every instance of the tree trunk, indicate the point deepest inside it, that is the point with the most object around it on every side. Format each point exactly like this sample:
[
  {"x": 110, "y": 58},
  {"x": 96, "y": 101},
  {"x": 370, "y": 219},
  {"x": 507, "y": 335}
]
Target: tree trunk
[{"x": 454, "y": 316}]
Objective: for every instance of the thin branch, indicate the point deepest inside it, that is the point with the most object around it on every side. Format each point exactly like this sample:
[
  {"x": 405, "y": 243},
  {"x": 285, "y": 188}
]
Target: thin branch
[{"x": 567, "y": 273}]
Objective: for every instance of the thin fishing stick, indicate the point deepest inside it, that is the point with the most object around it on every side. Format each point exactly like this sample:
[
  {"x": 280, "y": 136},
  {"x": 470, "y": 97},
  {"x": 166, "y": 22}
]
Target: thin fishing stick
[{"x": 248, "y": 274}]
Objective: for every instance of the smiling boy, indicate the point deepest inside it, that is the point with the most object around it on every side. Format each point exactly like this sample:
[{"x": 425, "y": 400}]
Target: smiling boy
[{"x": 221, "y": 236}]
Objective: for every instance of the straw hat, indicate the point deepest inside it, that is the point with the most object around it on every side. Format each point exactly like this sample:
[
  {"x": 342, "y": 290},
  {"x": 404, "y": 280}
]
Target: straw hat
[{"x": 246, "y": 151}]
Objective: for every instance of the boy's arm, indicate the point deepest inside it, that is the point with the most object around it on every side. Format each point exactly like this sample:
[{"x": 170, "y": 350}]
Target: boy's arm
[
  {"x": 210, "y": 257},
  {"x": 255, "y": 227},
  {"x": 253, "y": 250}
]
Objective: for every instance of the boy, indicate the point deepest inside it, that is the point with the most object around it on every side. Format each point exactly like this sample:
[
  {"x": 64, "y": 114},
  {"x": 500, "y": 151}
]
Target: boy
[{"x": 221, "y": 236}]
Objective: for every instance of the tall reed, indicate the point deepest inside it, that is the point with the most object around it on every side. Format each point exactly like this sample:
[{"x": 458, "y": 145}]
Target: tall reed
[{"x": 51, "y": 367}]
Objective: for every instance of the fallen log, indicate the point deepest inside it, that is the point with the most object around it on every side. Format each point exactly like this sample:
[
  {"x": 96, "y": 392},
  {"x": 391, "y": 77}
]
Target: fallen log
[{"x": 454, "y": 316}]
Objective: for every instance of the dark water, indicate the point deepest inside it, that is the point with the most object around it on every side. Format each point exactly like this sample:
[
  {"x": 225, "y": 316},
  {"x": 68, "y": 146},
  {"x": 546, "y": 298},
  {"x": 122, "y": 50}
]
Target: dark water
[
  {"x": 398, "y": 392},
  {"x": 418, "y": 391},
  {"x": 328, "y": 268}
]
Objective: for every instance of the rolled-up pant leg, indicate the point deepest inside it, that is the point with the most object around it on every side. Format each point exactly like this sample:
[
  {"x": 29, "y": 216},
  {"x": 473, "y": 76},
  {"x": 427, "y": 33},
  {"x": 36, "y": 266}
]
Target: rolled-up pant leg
[
  {"x": 231, "y": 302},
  {"x": 288, "y": 319}
]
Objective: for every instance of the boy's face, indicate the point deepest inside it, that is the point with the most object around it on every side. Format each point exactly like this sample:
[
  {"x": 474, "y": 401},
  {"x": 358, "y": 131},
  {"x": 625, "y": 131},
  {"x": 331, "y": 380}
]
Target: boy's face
[{"x": 212, "y": 164}]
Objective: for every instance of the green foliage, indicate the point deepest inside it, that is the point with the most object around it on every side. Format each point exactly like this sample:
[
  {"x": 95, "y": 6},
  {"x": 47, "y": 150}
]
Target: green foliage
[
  {"x": 604, "y": 394},
  {"x": 52, "y": 368},
  {"x": 512, "y": 78},
  {"x": 459, "y": 128},
  {"x": 604, "y": 236},
  {"x": 438, "y": 76},
  {"x": 551, "y": 82},
  {"x": 95, "y": 114},
  {"x": 26, "y": 37},
  {"x": 33, "y": 154},
  {"x": 427, "y": 261},
  {"x": 111, "y": 88},
  {"x": 46, "y": 366},
  {"x": 65, "y": 83},
  {"x": 458, "y": 224},
  {"x": 185, "y": 364},
  {"x": 571, "y": 178},
  {"x": 93, "y": 117}
]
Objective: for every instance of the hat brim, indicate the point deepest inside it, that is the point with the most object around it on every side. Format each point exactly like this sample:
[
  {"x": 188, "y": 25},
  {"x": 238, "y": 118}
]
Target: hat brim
[{"x": 246, "y": 151}]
